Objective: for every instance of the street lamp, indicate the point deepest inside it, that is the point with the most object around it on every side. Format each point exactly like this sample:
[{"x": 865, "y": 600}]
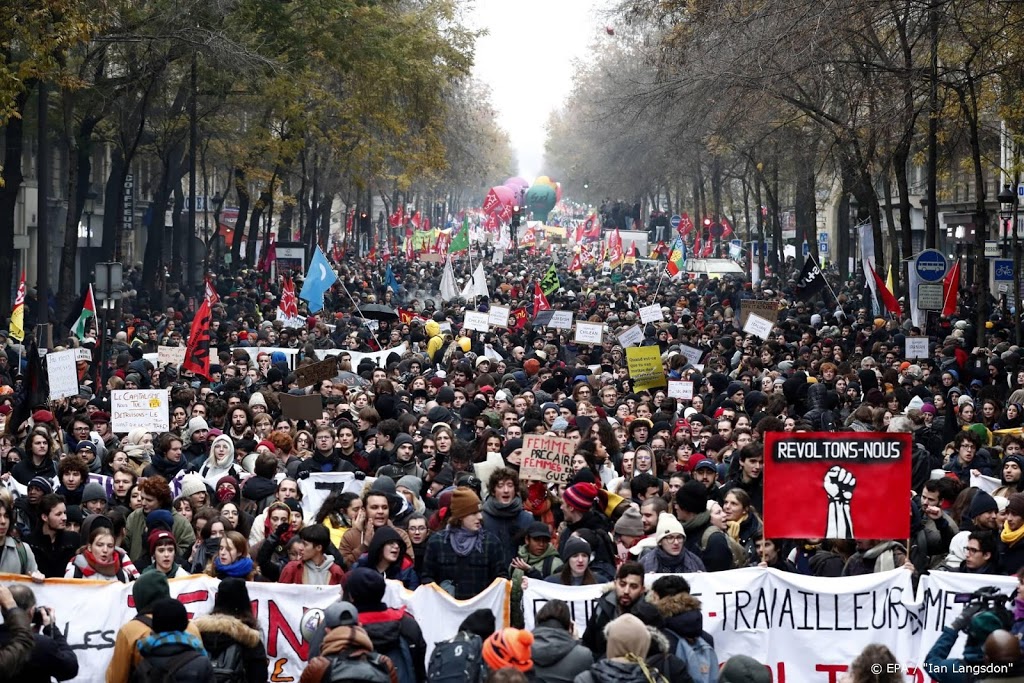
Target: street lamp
[{"x": 1008, "y": 212}]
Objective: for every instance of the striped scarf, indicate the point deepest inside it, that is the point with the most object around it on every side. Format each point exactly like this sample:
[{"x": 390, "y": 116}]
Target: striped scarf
[{"x": 151, "y": 642}]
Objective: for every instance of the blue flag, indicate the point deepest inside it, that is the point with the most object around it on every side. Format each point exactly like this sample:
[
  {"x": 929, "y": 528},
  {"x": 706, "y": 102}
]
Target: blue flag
[
  {"x": 319, "y": 278},
  {"x": 389, "y": 280}
]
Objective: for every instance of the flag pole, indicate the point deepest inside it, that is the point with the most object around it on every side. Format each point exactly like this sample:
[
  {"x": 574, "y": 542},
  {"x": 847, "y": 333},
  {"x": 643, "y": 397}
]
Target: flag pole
[
  {"x": 355, "y": 307},
  {"x": 952, "y": 290},
  {"x": 818, "y": 266}
]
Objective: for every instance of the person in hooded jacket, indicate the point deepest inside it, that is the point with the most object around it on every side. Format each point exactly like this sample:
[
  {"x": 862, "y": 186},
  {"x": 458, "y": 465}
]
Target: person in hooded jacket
[
  {"x": 558, "y": 657},
  {"x": 404, "y": 462},
  {"x": 504, "y": 515},
  {"x": 394, "y": 633},
  {"x": 629, "y": 641},
  {"x": 260, "y": 490},
  {"x": 232, "y": 623},
  {"x": 221, "y": 462},
  {"x": 387, "y": 555},
  {"x": 172, "y": 649}
]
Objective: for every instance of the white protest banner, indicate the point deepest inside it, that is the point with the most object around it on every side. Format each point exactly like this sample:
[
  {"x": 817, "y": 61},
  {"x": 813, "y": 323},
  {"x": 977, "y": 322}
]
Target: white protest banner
[
  {"x": 146, "y": 409},
  {"x": 650, "y": 314},
  {"x": 758, "y": 326},
  {"x": 317, "y": 486},
  {"x": 475, "y": 320},
  {"x": 917, "y": 347},
  {"x": 692, "y": 355},
  {"x": 589, "y": 333},
  {"x": 378, "y": 358},
  {"x": 497, "y": 316},
  {"x": 681, "y": 389},
  {"x": 546, "y": 458},
  {"x": 985, "y": 483},
  {"x": 63, "y": 374},
  {"x": 561, "y": 320},
  {"x": 170, "y": 355},
  {"x": 631, "y": 336},
  {"x": 90, "y": 613},
  {"x": 83, "y": 354}
]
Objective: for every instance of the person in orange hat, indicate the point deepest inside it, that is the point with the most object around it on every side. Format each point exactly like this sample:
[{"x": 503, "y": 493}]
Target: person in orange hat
[{"x": 509, "y": 648}]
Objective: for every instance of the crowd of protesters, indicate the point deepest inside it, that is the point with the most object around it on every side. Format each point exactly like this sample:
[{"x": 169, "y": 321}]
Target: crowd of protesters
[{"x": 658, "y": 485}]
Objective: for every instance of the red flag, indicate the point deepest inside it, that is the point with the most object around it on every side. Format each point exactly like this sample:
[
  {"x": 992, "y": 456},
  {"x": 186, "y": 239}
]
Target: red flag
[
  {"x": 708, "y": 248},
  {"x": 289, "y": 303},
  {"x": 726, "y": 229},
  {"x": 685, "y": 225},
  {"x": 405, "y": 316},
  {"x": 615, "y": 249},
  {"x": 950, "y": 286},
  {"x": 592, "y": 228},
  {"x": 197, "y": 351},
  {"x": 337, "y": 253},
  {"x": 349, "y": 220},
  {"x": 519, "y": 315},
  {"x": 416, "y": 220},
  {"x": 540, "y": 302},
  {"x": 211, "y": 292},
  {"x": 372, "y": 256},
  {"x": 577, "y": 263},
  {"x": 888, "y": 299}
]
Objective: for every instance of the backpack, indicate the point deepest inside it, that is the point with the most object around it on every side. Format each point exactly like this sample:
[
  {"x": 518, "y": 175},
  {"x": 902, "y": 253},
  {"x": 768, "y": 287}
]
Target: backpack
[
  {"x": 228, "y": 666},
  {"x": 401, "y": 657},
  {"x": 457, "y": 660},
  {"x": 740, "y": 557},
  {"x": 147, "y": 672},
  {"x": 701, "y": 660},
  {"x": 368, "y": 668}
]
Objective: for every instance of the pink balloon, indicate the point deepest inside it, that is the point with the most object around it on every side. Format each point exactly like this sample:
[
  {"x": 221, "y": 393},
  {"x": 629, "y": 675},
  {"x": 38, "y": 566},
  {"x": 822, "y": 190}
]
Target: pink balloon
[
  {"x": 517, "y": 182},
  {"x": 558, "y": 192},
  {"x": 498, "y": 197}
]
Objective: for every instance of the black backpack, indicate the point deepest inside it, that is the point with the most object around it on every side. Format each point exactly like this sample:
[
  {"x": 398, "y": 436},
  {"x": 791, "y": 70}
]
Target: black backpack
[
  {"x": 368, "y": 668},
  {"x": 458, "y": 660},
  {"x": 146, "y": 672},
  {"x": 228, "y": 666}
]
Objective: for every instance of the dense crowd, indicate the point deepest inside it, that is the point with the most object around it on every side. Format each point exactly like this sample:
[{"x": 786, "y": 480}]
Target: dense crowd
[{"x": 658, "y": 485}]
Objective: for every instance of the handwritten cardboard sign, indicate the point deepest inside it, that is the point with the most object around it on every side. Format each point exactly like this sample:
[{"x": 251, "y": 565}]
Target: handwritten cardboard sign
[
  {"x": 546, "y": 458},
  {"x": 308, "y": 375},
  {"x": 139, "y": 409},
  {"x": 589, "y": 333},
  {"x": 170, "y": 355}
]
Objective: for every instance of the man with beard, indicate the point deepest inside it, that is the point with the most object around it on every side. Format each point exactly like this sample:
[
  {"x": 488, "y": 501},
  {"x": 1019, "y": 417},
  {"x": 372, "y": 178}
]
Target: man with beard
[{"x": 628, "y": 591}]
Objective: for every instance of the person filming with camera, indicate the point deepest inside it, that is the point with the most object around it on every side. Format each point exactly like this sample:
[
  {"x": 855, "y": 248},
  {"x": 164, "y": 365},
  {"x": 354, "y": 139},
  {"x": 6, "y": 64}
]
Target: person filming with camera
[
  {"x": 984, "y": 613},
  {"x": 51, "y": 657}
]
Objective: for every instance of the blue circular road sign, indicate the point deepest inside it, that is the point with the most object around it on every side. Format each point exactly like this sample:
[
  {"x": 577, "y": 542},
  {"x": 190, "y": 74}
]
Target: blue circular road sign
[
  {"x": 931, "y": 265},
  {"x": 675, "y": 221}
]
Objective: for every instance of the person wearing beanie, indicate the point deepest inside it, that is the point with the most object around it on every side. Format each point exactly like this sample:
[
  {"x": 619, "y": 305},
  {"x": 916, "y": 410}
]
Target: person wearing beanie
[
  {"x": 629, "y": 530},
  {"x": 195, "y": 447},
  {"x": 629, "y": 641},
  {"x": 392, "y": 631},
  {"x": 509, "y": 647},
  {"x": 504, "y": 516},
  {"x": 232, "y": 623},
  {"x": 220, "y": 463},
  {"x": 703, "y": 539},
  {"x": 94, "y": 499},
  {"x": 463, "y": 558},
  {"x": 163, "y": 553},
  {"x": 404, "y": 463},
  {"x": 147, "y": 590},
  {"x": 157, "y": 504},
  {"x": 746, "y": 669},
  {"x": 171, "y": 650},
  {"x": 669, "y": 554},
  {"x": 194, "y": 488}
]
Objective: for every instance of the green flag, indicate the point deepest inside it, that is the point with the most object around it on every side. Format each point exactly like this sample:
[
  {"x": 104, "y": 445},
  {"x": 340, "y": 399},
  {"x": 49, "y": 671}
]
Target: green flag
[
  {"x": 461, "y": 240},
  {"x": 550, "y": 282}
]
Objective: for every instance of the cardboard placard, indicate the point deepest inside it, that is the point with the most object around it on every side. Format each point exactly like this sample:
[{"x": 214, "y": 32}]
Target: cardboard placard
[
  {"x": 83, "y": 354},
  {"x": 681, "y": 389},
  {"x": 63, "y": 374},
  {"x": 645, "y": 367},
  {"x": 917, "y": 347},
  {"x": 769, "y": 310},
  {"x": 651, "y": 314},
  {"x": 497, "y": 316},
  {"x": 475, "y": 320},
  {"x": 561, "y": 320},
  {"x": 146, "y": 409},
  {"x": 631, "y": 336},
  {"x": 758, "y": 326},
  {"x": 431, "y": 258},
  {"x": 309, "y": 407},
  {"x": 546, "y": 458},
  {"x": 589, "y": 333},
  {"x": 693, "y": 355},
  {"x": 170, "y": 355},
  {"x": 308, "y": 375}
]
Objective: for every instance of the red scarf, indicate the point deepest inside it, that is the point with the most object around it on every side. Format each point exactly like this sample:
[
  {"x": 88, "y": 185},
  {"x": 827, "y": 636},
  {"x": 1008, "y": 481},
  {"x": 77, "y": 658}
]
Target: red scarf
[
  {"x": 269, "y": 529},
  {"x": 105, "y": 569}
]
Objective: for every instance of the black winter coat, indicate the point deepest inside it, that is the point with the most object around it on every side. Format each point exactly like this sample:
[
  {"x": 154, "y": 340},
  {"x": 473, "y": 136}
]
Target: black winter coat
[
  {"x": 221, "y": 631},
  {"x": 51, "y": 658}
]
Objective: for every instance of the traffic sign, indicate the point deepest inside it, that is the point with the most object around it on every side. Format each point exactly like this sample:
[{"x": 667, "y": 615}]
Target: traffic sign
[
  {"x": 675, "y": 221},
  {"x": 1020, "y": 190},
  {"x": 1002, "y": 270},
  {"x": 823, "y": 243},
  {"x": 806, "y": 249},
  {"x": 931, "y": 265},
  {"x": 992, "y": 249}
]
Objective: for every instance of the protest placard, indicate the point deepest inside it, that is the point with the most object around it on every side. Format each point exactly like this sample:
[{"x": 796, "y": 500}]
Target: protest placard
[
  {"x": 475, "y": 320},
  {"x": 301, "y": 407},
  {"x": 589, "y": 333},
  {"x": 769, "y": 310},
  {"x": 650, "y": 314},
  {"x": 170, "y": 355},
  {"x": 645, "y": 369},
  {"x": 497, "y": 316},
  {"x": 681, "y": 389},
  {"x": 546, "y": 458},
  {"x": 693, "y": 355},
  {"x": 63, "y": 374},
  {"x": 83, "y": 354},
  {"x": 314, "y": 373},
  {"x": 917, "y": 347},
  {"x": 132, "y": 409},
  {"x": 631, "y": 336},
  {"x": 758, "y": 326},
  {"x": 561, "y": 320}
]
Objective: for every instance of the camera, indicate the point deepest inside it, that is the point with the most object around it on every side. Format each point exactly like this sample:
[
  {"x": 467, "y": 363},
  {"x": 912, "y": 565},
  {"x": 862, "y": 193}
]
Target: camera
[{"x": 990, "y": 596}]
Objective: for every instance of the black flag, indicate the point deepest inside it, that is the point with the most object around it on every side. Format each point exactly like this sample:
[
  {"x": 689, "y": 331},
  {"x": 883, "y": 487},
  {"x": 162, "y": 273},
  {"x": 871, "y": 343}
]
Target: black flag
[{"x": 811, "y": 281}]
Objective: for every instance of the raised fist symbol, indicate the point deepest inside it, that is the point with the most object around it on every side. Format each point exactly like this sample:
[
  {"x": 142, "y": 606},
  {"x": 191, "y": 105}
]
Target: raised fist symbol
[{"x": 839, "y": 484}]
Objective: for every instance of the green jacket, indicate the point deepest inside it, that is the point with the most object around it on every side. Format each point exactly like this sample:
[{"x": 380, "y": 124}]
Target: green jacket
[
  {"x": 135, "y": 535},
  {"x": 542, "y": 566}
]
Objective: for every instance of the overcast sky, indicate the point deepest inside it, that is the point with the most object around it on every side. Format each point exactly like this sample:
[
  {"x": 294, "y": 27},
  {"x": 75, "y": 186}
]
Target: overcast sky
[{"x": 527, "y": 60}]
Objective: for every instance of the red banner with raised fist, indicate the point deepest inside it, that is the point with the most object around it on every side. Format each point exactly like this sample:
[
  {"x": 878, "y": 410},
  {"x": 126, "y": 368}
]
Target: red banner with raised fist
[{"x": 837, "y": 485}]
